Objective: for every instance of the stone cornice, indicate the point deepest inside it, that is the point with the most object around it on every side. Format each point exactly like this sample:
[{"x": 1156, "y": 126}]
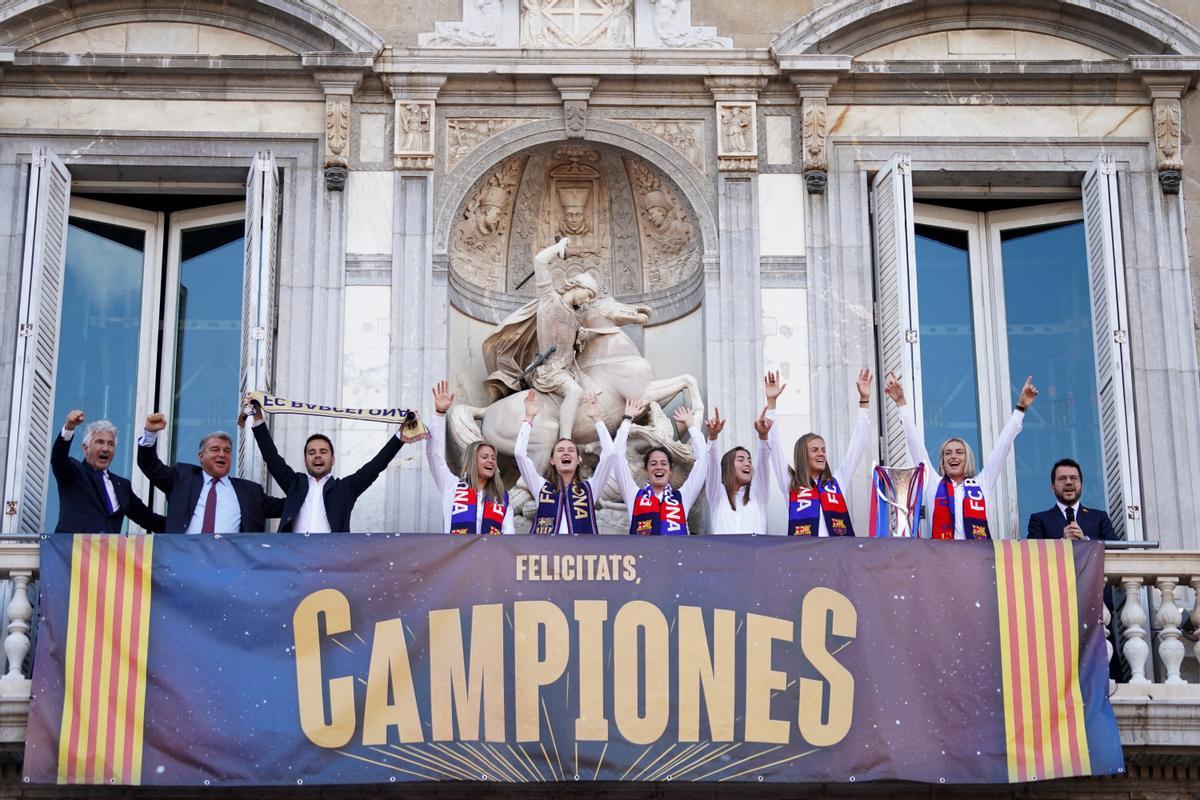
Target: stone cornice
[{"x": 641, "y": 63}]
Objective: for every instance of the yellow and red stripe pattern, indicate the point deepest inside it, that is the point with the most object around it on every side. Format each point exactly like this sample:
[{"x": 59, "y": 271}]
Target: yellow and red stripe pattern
[
  {"x": 1045, "y": 735},
  {"x": 104, "y": 684}
]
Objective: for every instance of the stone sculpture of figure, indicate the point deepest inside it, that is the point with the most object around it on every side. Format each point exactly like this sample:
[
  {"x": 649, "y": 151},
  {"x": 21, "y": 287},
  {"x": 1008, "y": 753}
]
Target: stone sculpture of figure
[
  {"x": 557, "y": 318},
  {"x": 414, "y": 122},
  {"x": 574, "y": 221},
  {"x": 737, "y": 130},
  {"x": 490, "y": 211}
]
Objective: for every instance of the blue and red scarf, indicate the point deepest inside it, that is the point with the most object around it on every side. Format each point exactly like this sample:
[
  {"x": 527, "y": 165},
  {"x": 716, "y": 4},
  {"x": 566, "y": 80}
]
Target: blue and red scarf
[
  {"x": 975, "y": 524},
  {"x": 463, "y": 512},
  {"x": 655, "y": 517},
  {"x": 806, "y": 505},
  {"x": 579, "y": 507}
]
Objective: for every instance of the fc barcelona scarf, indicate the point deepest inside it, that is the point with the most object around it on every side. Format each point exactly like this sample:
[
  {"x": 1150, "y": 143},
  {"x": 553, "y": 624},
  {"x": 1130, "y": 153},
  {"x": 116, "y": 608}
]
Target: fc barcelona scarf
[
  {"x": 805, "y": 506},
  {"x": 579, "y": 508},
  {"x": 975, "y": 524},
  {"x": 463, "y": 512},
  {"x": 654, "y": 517}
]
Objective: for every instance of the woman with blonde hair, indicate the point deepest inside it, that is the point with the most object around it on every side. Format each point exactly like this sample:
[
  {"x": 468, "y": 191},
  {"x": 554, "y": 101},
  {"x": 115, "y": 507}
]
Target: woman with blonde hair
[
  {"x": 737, "y": 493},
  {"x": 957, "y": 503},
  {"x": 474, "y": 502},
  {"x": 816, "y": 500}
]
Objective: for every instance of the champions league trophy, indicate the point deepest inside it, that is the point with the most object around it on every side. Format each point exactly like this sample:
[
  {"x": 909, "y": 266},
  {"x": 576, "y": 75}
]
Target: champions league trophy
[{"x": 896, "y": 504}]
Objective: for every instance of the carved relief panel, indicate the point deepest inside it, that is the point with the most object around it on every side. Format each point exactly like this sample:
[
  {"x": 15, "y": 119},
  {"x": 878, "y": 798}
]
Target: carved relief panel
[{"x": 629, "y": 227}]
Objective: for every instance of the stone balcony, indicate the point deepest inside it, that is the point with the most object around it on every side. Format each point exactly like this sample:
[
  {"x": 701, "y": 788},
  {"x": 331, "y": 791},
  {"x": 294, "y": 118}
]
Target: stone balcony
[{"x": 1157, "y": 700}]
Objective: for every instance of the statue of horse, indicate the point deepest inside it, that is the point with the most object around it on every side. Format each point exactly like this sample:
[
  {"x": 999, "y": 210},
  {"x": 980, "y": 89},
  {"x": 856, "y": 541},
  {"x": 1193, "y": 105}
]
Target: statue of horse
[{"x": 611, "y": 367}]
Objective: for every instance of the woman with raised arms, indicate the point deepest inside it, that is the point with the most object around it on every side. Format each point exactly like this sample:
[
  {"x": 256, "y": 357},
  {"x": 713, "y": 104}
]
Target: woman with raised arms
[
  {"x": 957, "y": 503},
  {"x": 816, "y": 500},
  {"x": 566, "y": 503},
  {"x": 659, "y": 509},
  {"x": 736, "y": 502},
  {"x": 474, "y": 502}
]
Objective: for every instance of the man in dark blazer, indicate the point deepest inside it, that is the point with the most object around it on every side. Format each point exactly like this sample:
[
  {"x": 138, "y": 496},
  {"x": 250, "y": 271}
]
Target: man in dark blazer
[
  {"x": 204, "y": 498},
  {"x": 1068, "y": 519},
  {"x": 91, "y": 499},
  {"x": 317, "y": 502}
]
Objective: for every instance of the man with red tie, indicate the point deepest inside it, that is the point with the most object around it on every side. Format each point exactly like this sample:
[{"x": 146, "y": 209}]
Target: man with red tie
[
  {"x": 204, "y": 498},
  {"x": 1069, "y": 519}
]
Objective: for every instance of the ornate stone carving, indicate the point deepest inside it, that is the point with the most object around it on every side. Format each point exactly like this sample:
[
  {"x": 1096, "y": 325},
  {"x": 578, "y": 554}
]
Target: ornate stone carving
[
  {"x": 673, "y": 27},
  {"x": 816, "y": 162},
  {"x": 577, "y": 23},
  {"x": 685, "y": 135},
  {"x": 479, "y": 245},
  {"x": 337, "y": 129},
  {"x": 464, "y": 135},
  {"x": 414, "y": 134},
  {"x": 1168, "y": 133},
  {"x": 575, "y": 118},
  {"x": 627, "y": 252},
  {"x": 668, "y": 240},
  {"x": 335, "y": 178},
  {"x": 737, "y": 147},
  {"x": 575, "y": 204},
  {"x": 480, "y": 27}
]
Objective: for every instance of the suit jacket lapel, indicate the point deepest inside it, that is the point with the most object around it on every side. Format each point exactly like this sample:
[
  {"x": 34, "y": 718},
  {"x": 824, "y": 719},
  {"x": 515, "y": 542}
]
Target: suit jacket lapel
[
  {"x": 97, "y": 486},
  {"x": 196, "y": 488}
]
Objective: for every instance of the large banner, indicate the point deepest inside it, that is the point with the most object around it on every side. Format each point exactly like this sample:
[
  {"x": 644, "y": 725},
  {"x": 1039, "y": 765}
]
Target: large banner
[{"x": 361, "y": 658}]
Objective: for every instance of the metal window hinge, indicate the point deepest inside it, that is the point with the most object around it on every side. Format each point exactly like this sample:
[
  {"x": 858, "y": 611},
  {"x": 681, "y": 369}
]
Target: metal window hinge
[
  {"x": 1120, "y": 337},
  {"x": 910, "y": 336},
  {"x": 10, "y": 507},
  {"x": 25, "y": 329},
  {"x": 1134, "y": 512},
  {"x": 258, "y": 333}
]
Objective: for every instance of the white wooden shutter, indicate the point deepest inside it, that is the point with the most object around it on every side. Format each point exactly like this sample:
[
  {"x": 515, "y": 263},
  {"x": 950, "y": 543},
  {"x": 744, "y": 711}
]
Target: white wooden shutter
[
  {"x": 258, "y": 297},
  {"x": 31, "y": 426},
  {"x": 1110, "y": 327},
  {"x": 896, "y": 294}
]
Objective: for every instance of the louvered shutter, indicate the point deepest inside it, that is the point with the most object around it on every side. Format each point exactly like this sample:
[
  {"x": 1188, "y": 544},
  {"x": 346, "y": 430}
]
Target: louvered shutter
[
  {"x": 31, "y": 427},
  {"x": 1110, "y": 327},
  {"x": 896, "y": 295},
  {"x": 258, "y": 297}
]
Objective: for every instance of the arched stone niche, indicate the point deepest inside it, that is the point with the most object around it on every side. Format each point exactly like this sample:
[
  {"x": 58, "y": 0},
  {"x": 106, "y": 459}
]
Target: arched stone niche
[{"x": 630, "y": 227}]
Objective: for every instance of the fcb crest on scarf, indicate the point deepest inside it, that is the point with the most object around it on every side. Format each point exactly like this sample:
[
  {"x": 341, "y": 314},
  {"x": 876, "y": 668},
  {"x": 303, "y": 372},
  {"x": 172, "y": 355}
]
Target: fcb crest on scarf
[{"x": 897, "y": 499}]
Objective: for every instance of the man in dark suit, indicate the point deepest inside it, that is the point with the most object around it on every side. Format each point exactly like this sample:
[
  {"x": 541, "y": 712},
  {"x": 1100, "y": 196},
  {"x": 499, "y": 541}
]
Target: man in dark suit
[
  {"x": 317, "y": 502},
  {"x": 204, "y": 498},
  {"x": 91, "y": 499},
  {"x": 1068, "y": 519}
]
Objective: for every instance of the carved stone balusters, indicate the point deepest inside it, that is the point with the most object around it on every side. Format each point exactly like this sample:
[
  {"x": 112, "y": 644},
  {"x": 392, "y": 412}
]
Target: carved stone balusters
[
  {"x": 1170, "y": 644},
  {"x": 1133, "y": 618},
  {"x": 16, "y": 644},
  {"x": 1195, "y": 615},
  {"x": 1106, "y": 617}
]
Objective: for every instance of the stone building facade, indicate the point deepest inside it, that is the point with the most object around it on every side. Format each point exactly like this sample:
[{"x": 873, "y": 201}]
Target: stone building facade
[{"x": 811, "y": 187}]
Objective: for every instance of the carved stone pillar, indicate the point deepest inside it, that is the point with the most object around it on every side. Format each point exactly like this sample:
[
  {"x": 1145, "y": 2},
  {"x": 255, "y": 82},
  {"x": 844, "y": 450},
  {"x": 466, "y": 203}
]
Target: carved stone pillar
[
  {"x": 813, "y": 90},
  {"x": 419, "y": 296},
  {"x": 575, "y": 91},
  {"x": 1170, "y": 644},
  {"x": 737, "y": 122},
  {"x": 1166, "y": 90},
  {"x": 339, "y": 86},
  {"x": 1133, "y": 617},
  {"x": 16, "y": 644}
]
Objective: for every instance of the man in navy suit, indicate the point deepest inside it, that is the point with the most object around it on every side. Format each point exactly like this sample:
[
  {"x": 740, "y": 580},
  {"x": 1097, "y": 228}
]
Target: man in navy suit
[
  {"x": 91, "y": 499},
  {"x": 204, "y": 498},
  {"x": 317, "y": 502},
  {"x": 1068, "y": 519}
]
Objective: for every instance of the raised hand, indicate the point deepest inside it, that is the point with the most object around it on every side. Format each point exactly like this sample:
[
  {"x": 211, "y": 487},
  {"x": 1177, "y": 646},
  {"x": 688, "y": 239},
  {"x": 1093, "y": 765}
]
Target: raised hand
[
  {"x": 684, "y": 416},
  {"x": 591, "y": 406},
  {"x": 532, "y": 404},
  {"x": 249, "y": 402},
  {"x": 1029, "y": 393},
  {"x": 714, "y": 426},
  {"x": 772, "y": 388},
  {"x": 156, "y": 422},
  {"x": 74, "y": 419},
  {"x": 864, "y": 385},
  {"x": 762, "y": 425},
  {"x": 634, "y": 408},
  {"x": 894, "y": 389},
  {"x": 443, "y": 398}
]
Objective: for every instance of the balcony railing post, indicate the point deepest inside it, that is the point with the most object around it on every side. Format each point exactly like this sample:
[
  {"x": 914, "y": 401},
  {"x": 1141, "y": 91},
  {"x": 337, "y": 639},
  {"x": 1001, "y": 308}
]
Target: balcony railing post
[
  {"x": 16, "y": 644},
  {"x": 1133, "y": 617},
  {"x": 1170, "y": 644},
  {"x": 1195, "y": 615}
]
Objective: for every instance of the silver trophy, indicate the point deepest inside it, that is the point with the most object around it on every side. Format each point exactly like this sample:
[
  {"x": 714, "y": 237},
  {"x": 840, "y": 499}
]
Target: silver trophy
[{"x": 899, "y": 493}]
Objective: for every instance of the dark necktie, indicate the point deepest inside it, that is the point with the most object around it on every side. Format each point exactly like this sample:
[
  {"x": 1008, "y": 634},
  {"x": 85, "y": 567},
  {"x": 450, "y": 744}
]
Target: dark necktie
[
  {"x": 210, "y": 508},
  {"x": 104, "y": 490}
]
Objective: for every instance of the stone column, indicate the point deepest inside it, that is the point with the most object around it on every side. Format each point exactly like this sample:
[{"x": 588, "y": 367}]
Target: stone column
[
  {"x": 733, "y": 293},
  {"x": 419, "y": 295}
]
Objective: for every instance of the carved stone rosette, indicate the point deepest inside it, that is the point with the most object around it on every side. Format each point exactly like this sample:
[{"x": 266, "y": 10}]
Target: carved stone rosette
[
  {"x": 685, "y": 135},
  {"x": 1168, "y": 135},
  {"x": 816, "y": 161},
  {"x": 737, "y": 136},
  {"x": 464, "y": 135},
  {"x": 413, "y": 143}
]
